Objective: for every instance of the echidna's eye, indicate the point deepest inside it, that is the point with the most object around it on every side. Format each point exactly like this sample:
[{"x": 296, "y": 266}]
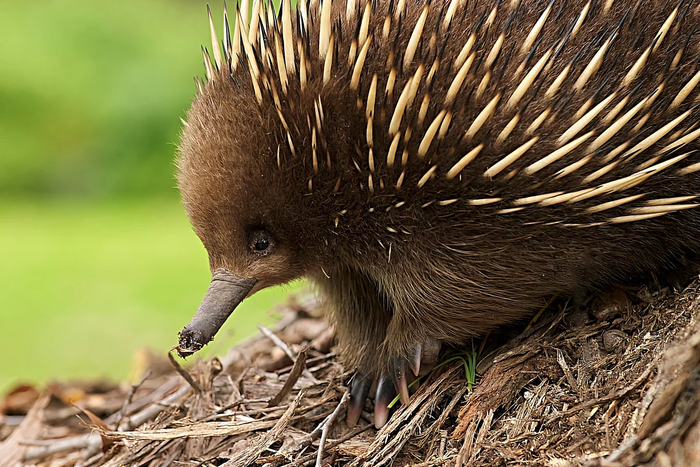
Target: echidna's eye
[{"x": 261, "y": 242}]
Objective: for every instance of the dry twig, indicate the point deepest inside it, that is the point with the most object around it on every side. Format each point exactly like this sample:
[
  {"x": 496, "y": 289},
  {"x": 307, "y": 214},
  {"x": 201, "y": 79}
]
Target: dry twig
[
  {"x": 327, "y": 424},
  {"x": 298, "y": 368},
  {"x": 280, "y": 343}
]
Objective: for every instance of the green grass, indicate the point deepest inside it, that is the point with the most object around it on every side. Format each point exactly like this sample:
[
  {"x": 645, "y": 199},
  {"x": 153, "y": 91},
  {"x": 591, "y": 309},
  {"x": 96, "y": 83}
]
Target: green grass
[
  {"x": 91, "y": 92},
  {"x": 84, "y": 285}
]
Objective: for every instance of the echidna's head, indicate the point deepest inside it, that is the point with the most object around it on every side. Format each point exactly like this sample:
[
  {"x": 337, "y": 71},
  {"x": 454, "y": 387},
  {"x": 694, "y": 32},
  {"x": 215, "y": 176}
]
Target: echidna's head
[{"x": 257, "y": 229}]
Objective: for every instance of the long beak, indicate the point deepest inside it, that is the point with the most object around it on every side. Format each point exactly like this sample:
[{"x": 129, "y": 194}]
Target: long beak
[{"x": 223, "y": 296}]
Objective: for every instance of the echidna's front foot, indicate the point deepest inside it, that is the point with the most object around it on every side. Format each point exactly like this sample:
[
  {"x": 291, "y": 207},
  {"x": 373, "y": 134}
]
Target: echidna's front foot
[{"x": 397, "y": 378}]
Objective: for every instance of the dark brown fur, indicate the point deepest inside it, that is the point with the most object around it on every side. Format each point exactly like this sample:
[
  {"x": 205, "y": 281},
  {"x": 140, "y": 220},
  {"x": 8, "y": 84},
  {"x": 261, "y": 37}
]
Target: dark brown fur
[{"x": 395, "y": 276}]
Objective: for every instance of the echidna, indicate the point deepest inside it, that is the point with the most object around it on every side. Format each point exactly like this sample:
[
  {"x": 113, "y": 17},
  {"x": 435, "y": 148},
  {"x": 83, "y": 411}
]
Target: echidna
[{"x": 441, "y": 168}]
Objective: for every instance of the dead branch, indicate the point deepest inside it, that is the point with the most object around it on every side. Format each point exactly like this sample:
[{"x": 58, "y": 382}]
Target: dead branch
[
  {"x": 327, "y": 424},
  {"x": 297, "y": 370},
  {"x": 279, "y": 343}
]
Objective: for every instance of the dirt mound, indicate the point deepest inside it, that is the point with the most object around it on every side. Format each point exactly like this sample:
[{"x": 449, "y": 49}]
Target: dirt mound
[{"x": 620, "y": 387}]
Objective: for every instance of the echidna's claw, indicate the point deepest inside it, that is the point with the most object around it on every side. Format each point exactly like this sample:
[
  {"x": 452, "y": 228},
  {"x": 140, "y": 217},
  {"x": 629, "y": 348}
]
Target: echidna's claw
[
  {"x": 358, "y": 394},
  {"x": 397, "y": 379},
  {"x": 414, "y": 359},
  {"x": 385, "y": 394},
  {"x": 398, "y": 375}
]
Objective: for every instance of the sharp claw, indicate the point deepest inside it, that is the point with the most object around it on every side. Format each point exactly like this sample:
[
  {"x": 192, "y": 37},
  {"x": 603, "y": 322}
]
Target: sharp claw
[
  {"x": 399, "y": 376},
  {"x": 385, "y": 394},
  {"x": 358, "y": 393},
  {"x": 415, "y": 358}
]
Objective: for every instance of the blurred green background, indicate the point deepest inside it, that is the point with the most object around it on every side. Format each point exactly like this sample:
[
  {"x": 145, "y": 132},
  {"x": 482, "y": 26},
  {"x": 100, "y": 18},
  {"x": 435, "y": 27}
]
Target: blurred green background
[{"x": 97, "y": 258}]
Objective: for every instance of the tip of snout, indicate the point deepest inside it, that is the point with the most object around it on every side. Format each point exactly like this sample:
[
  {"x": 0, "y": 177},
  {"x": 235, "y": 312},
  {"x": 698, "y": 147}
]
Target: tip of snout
[
  {"x": 189, "y": 342},
  {"x": 224, "y": 294}
]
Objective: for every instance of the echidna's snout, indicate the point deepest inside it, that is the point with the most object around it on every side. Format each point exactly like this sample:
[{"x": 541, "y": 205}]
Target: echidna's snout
[
  {"x": 223, "y": 296},
  {"x": 245, "y": 257}
]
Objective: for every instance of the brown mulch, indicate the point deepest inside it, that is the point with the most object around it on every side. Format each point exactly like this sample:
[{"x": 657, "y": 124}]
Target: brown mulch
[{"x": 618, "y": 388}]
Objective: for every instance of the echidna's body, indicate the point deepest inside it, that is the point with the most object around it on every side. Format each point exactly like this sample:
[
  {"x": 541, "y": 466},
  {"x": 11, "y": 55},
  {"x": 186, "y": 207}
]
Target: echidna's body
[{"x": 441, "y": 169}]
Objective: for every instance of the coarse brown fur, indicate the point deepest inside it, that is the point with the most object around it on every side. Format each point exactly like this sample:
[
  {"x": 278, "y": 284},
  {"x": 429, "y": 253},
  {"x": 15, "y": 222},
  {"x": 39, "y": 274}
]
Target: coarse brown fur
[{"x": 438, "y": 258}]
